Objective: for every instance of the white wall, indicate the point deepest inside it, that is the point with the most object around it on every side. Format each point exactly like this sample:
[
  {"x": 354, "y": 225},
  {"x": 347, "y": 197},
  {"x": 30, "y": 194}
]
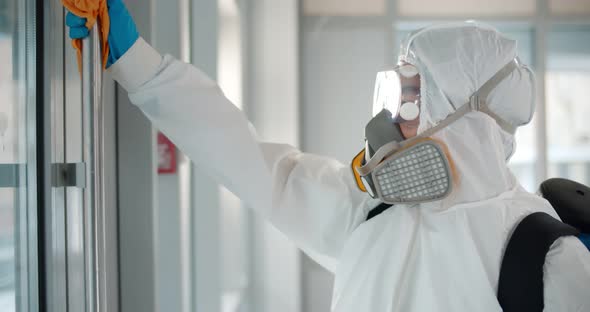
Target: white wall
[
  {"x": 206, "y": 266},
  {"x": 170, "y": 244},
  {"x": 339, "y": 63},
  {"x": 271, "y": 86},
  {"x": 136, "y": 166},
  {"x": 169, "y": 241}
]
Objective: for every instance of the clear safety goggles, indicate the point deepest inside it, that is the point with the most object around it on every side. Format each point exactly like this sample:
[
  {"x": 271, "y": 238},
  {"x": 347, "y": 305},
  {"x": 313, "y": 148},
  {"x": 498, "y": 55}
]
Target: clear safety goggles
[{"x": 395, "y": 92}]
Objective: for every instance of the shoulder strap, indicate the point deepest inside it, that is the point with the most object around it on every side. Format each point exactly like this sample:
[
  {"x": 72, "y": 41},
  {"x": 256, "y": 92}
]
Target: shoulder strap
[
  {"x": 585, "y": 238},
  {"x": 377, "y": 210},
  {"x": 520, "y": 287}
]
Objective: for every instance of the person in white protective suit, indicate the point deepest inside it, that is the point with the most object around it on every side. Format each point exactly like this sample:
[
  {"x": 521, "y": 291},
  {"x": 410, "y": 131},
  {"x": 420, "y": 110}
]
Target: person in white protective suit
[{"x": 437, "y": 255}]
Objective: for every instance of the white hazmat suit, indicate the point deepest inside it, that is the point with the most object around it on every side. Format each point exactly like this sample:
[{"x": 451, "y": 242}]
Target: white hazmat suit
[{"x": 438, "y": 256}]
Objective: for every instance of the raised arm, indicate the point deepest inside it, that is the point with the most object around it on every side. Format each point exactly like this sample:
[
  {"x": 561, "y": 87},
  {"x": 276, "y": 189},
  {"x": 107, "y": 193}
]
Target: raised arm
[{"x": 312, "y": 199}]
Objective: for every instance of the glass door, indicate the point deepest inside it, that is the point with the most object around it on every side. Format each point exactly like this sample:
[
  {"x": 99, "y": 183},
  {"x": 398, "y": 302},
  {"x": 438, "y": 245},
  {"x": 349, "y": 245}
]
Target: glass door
[
  {"x": 18, "y": 185},
  {"x": 56, "y": 251},
  {"x": 80, "y": 263}
]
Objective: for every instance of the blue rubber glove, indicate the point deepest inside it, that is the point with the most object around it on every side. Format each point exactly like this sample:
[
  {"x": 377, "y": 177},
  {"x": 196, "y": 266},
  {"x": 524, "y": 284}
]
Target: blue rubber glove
[{"x": 122, "y": 33}]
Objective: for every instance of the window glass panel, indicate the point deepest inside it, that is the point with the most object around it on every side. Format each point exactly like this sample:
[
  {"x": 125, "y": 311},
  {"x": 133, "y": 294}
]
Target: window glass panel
[
  {"x": 7, "y": 263},
  {"x": 523, "y": 161},
  {"x": 465, "y": 8},
  {"x": 8, "y": 110},
  {"x": 567, "y": 81},
  {"x": 12, "y": 146},
  {"x": 344, "y": 7},
  {"x": 569, "y": 7}
]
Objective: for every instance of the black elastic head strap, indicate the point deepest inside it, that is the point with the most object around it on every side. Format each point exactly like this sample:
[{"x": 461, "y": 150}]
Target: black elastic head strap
[{"x": 377, "y": 210}]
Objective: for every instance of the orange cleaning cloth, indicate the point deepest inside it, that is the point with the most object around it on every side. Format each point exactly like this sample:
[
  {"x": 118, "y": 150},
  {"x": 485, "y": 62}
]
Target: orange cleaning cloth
[{"x": 93, "y": 11}]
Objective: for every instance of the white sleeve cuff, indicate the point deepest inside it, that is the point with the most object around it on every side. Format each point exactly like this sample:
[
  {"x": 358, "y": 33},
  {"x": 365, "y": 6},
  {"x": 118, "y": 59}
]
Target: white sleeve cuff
[{"x": 137, "y": 66}]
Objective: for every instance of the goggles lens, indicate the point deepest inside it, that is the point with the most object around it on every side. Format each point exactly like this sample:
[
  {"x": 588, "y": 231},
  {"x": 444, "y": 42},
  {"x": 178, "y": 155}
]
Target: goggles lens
[
  {"x": 398, "y": 92},
  {"x": 407, "y": 70},
  {"x": 409, "y": 111}
]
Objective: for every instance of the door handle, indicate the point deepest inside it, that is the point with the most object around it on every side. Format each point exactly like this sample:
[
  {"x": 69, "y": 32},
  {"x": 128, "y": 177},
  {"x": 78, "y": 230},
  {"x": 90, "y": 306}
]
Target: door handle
[
  {"x": 68, "y": 175},
  {"x": 93, "y": 142}
]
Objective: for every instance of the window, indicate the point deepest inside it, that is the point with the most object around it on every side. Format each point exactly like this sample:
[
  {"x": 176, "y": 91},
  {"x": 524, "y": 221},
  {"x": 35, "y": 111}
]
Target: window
[
  {"x": 344, "y": 7},
  {"x": 467, "y": 8},
  {"x": 17, "y": 247},
  {"x": 567, "y": 93},
  {"x": 569, "y": 7}
]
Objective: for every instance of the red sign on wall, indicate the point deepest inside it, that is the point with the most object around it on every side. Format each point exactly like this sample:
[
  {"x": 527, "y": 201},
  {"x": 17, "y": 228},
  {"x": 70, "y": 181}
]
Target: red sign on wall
[{"x": 166, "y": 155}]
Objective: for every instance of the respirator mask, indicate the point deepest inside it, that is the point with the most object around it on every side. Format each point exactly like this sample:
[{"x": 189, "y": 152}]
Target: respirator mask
[{"x": 397, "y": 168}]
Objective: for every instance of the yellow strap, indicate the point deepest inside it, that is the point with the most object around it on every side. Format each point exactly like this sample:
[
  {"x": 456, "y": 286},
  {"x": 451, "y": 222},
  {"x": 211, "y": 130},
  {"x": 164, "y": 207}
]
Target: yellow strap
[{"x": 357, "y": 162}]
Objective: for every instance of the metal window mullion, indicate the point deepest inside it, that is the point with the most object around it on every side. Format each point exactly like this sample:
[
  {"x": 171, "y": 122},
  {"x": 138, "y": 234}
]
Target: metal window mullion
[
  {"x": 391, "y": 32},
  {"x": 185, "y": 177},
  {"x": 454, "y": 18},
  {"x": 569, "y": 20},
  {"x": 245, "y": 13},
  {"x": 32, "y": 221},
  {"x": 541, "y": 30}
]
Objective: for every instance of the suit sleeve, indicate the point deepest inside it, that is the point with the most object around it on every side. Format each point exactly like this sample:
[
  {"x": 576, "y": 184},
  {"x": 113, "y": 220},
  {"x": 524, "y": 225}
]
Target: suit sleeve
[{"x": 311, "y": 199}]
